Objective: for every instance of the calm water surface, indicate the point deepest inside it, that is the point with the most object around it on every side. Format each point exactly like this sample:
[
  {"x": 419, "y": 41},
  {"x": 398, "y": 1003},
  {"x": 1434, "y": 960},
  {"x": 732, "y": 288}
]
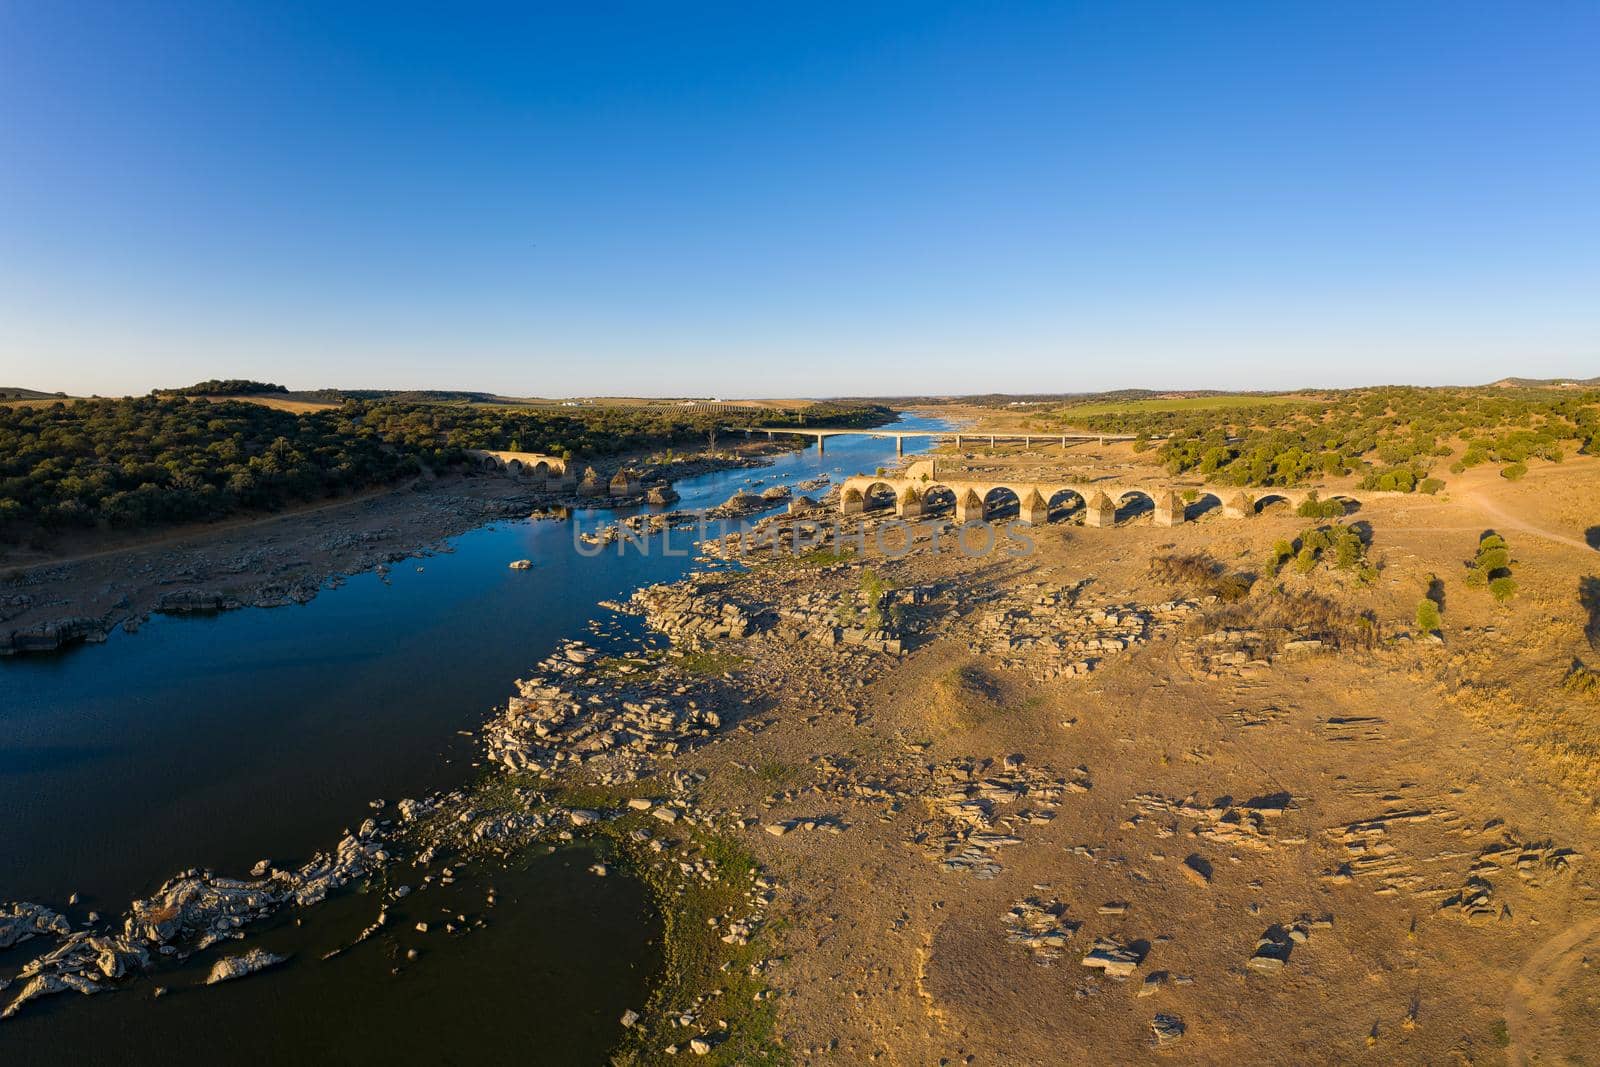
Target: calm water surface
[{"x": 216, "y": 742}]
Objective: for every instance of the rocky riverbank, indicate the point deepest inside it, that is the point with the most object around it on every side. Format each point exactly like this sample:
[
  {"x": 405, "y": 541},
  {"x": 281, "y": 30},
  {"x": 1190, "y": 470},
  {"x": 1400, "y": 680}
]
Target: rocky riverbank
[{"x": 46, "y": 606}]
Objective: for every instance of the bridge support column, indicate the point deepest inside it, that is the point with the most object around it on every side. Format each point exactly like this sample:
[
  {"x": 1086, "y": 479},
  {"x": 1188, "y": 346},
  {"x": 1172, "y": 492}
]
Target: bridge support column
[
  {"x": 1100, "y": 511},
  {"x": 899, "y": 445},
  {"x": 958, "y": 442},
  {"x": 991, "y": 444},
  {"x": 1240, "y": 506},
  {"x": 852, "y": 504},
  {"x": 820, "y": 449},
  {"x": 1169, "y": 509},
  {"x": 910, "y": 505},
  {"x": 969, "y": 507},
  {"x": 1033, "y": 510}
]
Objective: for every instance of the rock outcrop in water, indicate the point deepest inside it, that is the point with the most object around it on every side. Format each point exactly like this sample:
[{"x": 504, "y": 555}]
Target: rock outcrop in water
[
  {"x": 188, "y": 914},
  {"x": 19, "y": 922},
  {"x": 231, "y": 967}
]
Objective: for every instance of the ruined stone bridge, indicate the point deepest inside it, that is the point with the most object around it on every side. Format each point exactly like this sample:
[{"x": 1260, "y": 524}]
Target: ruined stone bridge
[
  {"x": 553, "y": 471},
  {"x": 921, "y": 491},
  {"x": 958, "y": 436}
]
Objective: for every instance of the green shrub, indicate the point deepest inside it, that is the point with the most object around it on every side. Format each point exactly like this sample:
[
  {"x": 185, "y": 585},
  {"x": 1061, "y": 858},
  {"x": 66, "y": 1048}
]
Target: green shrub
[
  {"x": 1428, "y": 618},
  {"x": 1514, "y": 471},
  {"x": 1431, "y": 486},
  {"x": 1502, "y": 588},
  {"x": 1306, "y": 561}
]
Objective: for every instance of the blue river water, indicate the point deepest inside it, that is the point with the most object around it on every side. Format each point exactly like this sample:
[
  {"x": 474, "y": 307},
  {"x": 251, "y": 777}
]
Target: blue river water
[{"x": 262, "y": 733}]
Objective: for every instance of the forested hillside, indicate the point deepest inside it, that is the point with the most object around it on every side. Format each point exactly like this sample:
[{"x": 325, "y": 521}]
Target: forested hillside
[{"x": 153, "y": 460}]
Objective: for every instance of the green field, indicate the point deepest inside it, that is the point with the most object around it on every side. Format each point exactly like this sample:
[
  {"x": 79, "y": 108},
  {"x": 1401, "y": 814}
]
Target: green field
[{"x": 1183, "y": 403}]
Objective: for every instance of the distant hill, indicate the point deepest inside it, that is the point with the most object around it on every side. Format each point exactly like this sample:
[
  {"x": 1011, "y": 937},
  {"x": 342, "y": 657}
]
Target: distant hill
[
  {"x": 1546, "y": 383},
  {"x": 11, "y": 392}
]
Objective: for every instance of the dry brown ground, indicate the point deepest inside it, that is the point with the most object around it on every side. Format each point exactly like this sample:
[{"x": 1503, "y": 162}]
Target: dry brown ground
[{"x": 892, "y": 959}]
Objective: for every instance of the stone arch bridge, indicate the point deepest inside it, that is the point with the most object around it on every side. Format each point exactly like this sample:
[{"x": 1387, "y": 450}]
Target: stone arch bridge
[
  {"x": 925, "y": 493},
  {"x": 553, "y": 471}
]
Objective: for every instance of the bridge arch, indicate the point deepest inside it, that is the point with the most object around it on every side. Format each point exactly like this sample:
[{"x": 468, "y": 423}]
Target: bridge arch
[
  {"x": 1066, "y": 505},
  {"x": 1134, "y": 503},
  {"x": 938, "y": 499},
  {"x": 1204, "y": 505},
  {"x": 1001, "y": 502},
  {"x": 1273, "y": 498},
  {"x": 878, "y": 495}
]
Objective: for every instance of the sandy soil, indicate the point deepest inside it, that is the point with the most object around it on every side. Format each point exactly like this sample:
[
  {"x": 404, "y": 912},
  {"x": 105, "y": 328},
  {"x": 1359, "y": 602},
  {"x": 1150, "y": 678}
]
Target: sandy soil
[{"x": 1425, "y": 860}]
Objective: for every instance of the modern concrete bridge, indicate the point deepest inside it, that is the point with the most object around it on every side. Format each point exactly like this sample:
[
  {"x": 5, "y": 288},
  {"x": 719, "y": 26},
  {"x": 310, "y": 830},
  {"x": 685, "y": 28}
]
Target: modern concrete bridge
[
  {"x": 921, "y": 491},
  {"x": 958, "y": 436}
]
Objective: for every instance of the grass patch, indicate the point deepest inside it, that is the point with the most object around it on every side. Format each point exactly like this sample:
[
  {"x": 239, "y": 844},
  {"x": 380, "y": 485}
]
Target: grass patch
[
  {"x": 708, "y": 664},
  {"x": 697, "y": 962},
  {"x": 824, "y": 557},
  {"x": 1582, "y": 681}
]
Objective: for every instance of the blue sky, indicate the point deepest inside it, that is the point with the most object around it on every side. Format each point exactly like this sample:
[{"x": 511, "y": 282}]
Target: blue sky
[{"x": 799, "y": 199}]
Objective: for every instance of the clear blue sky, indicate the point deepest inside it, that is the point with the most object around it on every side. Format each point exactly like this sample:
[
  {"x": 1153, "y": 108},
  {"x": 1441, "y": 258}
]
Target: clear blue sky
[{"x": 763, "y": 199}]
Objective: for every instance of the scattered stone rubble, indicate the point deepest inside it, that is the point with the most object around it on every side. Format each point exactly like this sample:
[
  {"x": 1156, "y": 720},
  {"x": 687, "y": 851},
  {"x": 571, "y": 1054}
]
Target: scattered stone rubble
[
  {"x": 1230, "y": 651},
  {"x": 1043, "y": 631},
  {"x": 570, "y": 713},
  {"x": 1223, "y": 822},
  {"x": 1534, "y": 863},
  {"x": 1041, "y": 927},
  {"x": 1115, "y": 959},
  {"x": 694, "y": 611},
  {"x": 968, "y": 829}
]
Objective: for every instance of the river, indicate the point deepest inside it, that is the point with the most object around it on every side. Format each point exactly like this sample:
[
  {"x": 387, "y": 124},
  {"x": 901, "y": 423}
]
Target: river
[{"x": 262, "y": 733}]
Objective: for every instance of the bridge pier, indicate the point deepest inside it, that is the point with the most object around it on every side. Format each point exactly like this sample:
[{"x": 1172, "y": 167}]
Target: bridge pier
[
  {"x": 1169, "y": 509},
  {"x": 910, "y": 505},
  {"x": 1240, "y": 506},
  {"x": 820, "y": 449},
  {"x": 1033, "y": 510},
  {"x": 899, "y": 444},
  {"x": 958, "y": 442},
  {"x": 969, "y": 507},
  {"x": 1100, "y": 510}
]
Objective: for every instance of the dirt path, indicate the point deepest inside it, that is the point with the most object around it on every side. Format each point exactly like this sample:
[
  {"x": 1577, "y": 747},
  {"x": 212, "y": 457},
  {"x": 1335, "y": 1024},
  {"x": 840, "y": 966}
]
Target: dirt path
[
  {"x": 1531, "y": 1002},
  {"x": 1505, "y": 519}
]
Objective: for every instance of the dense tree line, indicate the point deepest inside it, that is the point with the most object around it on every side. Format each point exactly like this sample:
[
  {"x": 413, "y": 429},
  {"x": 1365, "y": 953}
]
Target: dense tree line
[
  {"x": 226, "y": 387},
  {"x": 1393, "y": 436},
  {"x": 154, "y": 460}
]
